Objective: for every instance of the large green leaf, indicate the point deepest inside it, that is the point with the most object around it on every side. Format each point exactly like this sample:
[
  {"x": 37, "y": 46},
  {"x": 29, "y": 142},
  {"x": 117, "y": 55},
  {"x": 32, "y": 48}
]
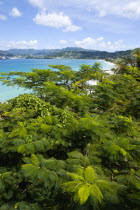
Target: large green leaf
[
  {"x": 96, "y": 193},
  {"x": 83, "y": 193},
  {"x": 34, "y": 159},
  {"x": 90, "y": 174},
  {"x": 45, "y": 128}
]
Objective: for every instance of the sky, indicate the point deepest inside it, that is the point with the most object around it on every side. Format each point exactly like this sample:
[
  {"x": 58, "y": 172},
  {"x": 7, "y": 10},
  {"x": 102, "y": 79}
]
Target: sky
[{"x": 110, "y": 25}]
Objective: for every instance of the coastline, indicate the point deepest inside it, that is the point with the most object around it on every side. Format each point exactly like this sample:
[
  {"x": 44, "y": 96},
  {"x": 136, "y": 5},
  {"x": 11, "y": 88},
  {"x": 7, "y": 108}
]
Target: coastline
[
  {"x": 110, "y": 63},
  {"x": 27, "y": 65}
]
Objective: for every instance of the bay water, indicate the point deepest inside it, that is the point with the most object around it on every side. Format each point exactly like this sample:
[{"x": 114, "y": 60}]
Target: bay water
[{"x": 26, "y": 65}]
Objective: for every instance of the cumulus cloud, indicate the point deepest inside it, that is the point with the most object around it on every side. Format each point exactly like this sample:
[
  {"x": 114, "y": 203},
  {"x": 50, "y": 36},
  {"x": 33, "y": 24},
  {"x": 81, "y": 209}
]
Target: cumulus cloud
[
  {"x": 15, "y": 12},
  {"x": 38, "y": 3},
  {"x": 3, "y": 17},
  {"x": 100, "y": 44},
  {"x": 63, "y": 42},
  {"x": 18, "y": 44},
  {"x": 132, "y": 9},
  {"x": 125, "y": 8},
  {"x": 56, "y": 20},
  {"x": 72, "y": 28}
]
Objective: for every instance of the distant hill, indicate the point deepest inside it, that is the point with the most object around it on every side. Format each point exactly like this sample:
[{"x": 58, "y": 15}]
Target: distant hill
[
  {"x": 42, "y": 52},
  {"x": 5, "y": 53},
  {"x": 26, "y": 51},
  {"x": 74, "y": 49},
  {"x": 68, "y": 53},
  {"x": 85, "y": 54}
]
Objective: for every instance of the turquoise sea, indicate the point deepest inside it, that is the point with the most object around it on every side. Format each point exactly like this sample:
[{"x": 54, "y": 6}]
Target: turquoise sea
[{"x": 26, "y": 65}]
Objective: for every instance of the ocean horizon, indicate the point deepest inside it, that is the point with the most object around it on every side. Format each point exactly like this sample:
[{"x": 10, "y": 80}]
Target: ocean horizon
[{"x": 7, "y": 65}]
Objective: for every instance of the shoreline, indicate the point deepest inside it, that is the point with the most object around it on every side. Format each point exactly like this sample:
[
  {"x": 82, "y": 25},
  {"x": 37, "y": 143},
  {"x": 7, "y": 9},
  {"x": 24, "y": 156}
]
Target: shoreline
[
  {"x": 110, "y": 63},
  {"x": 56, "y": 59},
  {"x": 7, "y": 90}
]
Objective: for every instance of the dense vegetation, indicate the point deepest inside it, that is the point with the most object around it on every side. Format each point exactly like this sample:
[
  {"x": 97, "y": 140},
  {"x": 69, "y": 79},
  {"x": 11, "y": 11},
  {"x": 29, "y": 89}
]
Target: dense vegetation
[
  {"x": 66, "y": 53},
  {"x": 88, "y": 54},
  {"x": 71, "y": 144},
  {"x": 5, "y": 53}
]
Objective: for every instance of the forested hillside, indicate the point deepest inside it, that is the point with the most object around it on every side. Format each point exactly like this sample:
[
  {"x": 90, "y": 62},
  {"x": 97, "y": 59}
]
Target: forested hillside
[
  {"x": 88, "y": 54},
  {"x": 65, "y": 53},
  {"x": 5, "y": 53},
  {"x": 72, "y": 145}
]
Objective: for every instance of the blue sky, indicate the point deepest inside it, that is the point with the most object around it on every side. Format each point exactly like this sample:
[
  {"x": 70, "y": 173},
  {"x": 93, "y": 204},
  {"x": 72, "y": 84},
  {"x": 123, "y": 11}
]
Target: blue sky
[{"x": 93, "y": 24}]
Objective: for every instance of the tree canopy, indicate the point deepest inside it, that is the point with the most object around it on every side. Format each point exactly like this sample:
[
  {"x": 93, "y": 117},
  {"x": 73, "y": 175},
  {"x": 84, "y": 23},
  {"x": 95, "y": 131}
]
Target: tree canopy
[{"x": 71, "y": 144}]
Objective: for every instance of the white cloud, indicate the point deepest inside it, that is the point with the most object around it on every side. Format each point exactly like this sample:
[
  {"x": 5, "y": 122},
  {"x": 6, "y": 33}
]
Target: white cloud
[
  {"x": 100, "y": 44},
  {"x": 15, "y": 12},
  {"x": 56, "y": 20},
  {"x": 3, "y": 17},
  {"x": 132, "y": 9},
  {"x": 97, "y": 44},
  {"x": 37, "y": 3},
  {"x": 125, "y": 8},
  {"x": 18, "y": 44},
  {"x": 72, "y": 28},
  {"x": 63, "y": 42}
]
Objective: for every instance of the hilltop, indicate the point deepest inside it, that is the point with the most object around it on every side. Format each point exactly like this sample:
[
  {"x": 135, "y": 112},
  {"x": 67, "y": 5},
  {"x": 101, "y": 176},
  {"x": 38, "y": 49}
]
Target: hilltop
[{"x": 65, "y": 53}]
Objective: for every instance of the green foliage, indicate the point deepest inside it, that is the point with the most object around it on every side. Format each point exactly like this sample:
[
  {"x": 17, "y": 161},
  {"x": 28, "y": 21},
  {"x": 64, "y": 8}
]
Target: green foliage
[
  {"x": 88, "y": 184},
  {"x": 71, "y": 145}
]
